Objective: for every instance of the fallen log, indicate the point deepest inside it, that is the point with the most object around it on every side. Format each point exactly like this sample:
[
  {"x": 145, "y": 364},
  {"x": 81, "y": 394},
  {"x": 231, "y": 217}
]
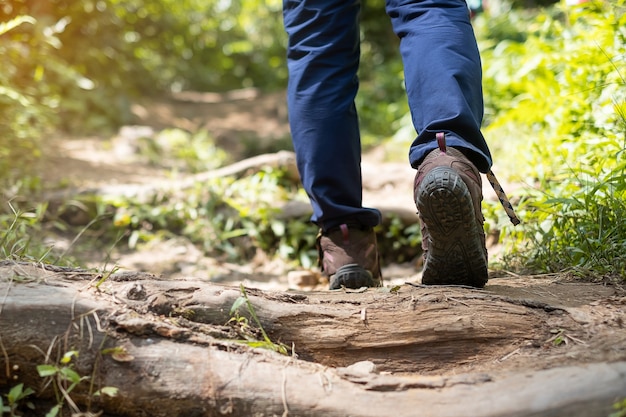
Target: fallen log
[
  {"x": 401, "y": 206},
  {"x": 166, "y": 346},
  {"x": 144, "y": 192}
]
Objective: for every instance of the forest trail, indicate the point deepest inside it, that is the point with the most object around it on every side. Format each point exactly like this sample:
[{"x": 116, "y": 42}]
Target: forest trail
[
  {"x": 582, "y": 324},
  {"x": 243, "y": 122}
]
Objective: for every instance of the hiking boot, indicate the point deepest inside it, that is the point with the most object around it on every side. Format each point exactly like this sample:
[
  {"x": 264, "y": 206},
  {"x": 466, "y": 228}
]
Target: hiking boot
[
  {"x": 448, "y": 195},
  {"x": 348, "y": 256}
]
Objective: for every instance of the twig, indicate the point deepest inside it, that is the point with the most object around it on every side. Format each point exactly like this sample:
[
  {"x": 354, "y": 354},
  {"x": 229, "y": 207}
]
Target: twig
[
  {"x": 284, "y": 390},
  {"x": 68, "y": 398},
  {"x": 458, "y": 301},
  {"x": 325, "y": 382},
  {"x": 575, "y": 339},
  {"x": 508, "y": 355},
  {"x": 560, "y": 335},
  {"x": 511, "y": 273}
]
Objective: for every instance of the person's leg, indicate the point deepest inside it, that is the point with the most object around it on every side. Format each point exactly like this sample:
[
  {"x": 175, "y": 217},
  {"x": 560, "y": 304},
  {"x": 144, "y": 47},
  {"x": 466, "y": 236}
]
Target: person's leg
[
  {"x": 443, "y": 76},
  {"x": 444, "y": 88},
  {"x": 323, "y": 58}
]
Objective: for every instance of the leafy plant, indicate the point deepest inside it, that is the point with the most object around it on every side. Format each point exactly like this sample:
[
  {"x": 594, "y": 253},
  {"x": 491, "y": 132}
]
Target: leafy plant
[
  {"x": 243, "y": 324},
  {"x": 582, "y": 230},
  {"x": 64, "y": 380},
  {"x": 182, "y": 151},
  {"x": 559, "y": 100},
  {"x": 19, "y": 233},
  {"x": 224, "y": 216},
  {"x": 15, "y": 398}
]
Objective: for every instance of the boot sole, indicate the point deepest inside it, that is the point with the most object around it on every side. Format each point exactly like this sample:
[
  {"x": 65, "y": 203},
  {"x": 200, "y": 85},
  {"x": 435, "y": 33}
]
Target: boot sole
[
  {"x": 352, "y": 276},
  {"x": 456, "y": 255}
]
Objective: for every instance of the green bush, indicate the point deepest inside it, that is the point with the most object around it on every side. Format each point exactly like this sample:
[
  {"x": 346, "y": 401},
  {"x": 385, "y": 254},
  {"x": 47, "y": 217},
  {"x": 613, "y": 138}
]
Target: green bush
[
  {"x": 20, "y": 235},
  {"x": 559, "y": 125},
  {"x": 226, "y": 217},
  {"x": 100, "y": 55},
  {"x": 25, "y": 111}
]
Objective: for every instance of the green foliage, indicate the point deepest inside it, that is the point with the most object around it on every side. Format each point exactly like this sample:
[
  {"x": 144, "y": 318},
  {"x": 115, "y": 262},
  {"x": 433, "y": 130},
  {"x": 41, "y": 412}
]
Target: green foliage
[
  {"x": 64, "y": 379},
  {"x": 558, "y": 100},
  {"x": 16, "y": 397},
  {"x": 244, "y": 328},
  {"x": 180, "y": 150},
  {"x": 98, "y": 55},
  {"x": 620, "y": 409},
  {"x": 224, "y": 216},
  {"x": 398, "y": 242},
  {"x": 578, "y": 223},
  {"x": 20, "y": 235},
  {"x": 23, "y": 115}
]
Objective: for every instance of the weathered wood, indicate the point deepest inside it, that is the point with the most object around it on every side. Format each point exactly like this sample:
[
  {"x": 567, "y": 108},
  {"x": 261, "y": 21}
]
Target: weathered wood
[
  {"x": 179, "y": 358},
  {"x": 406, "y": 331},
  {"x": 201, "y": 381}
]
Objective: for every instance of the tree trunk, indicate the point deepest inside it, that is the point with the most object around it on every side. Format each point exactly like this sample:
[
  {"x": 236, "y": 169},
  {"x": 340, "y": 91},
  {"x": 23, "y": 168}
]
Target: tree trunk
[{"x": 167, "y": 347}]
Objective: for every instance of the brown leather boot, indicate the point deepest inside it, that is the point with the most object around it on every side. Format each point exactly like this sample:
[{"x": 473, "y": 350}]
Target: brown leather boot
[
  {"x": 348, "y": 256},
  {"x": 448, "y": 195}
]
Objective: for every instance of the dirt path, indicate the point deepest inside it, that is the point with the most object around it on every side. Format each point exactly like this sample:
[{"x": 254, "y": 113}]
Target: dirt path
[{"x": 241, "y": 122}]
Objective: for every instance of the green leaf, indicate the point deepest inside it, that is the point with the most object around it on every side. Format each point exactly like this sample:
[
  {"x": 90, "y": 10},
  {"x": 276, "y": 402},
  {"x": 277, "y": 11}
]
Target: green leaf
[
  {"x": 395, "y": 288},
  {"x": 54, "y": 411},
  {"x": 18, "y": 393},
  {"x": 109, "y": 391},
  {"x": 14, "y": 95},
  {"x": 237, "y": 304},
  {"x": 278, "y": 228},
  {"x": 70, "y": 375},
  {"x": 3, "y": 408},
  {"x": 47, "y": 370},
  {"x": 15, "y": 394}
]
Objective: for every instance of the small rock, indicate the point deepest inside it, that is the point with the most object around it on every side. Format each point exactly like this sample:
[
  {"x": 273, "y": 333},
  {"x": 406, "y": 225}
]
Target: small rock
[
  {"x": 362, "y": 368},
  {"x": 135, "y": 291},
  {"x": 300, "y": 279}
]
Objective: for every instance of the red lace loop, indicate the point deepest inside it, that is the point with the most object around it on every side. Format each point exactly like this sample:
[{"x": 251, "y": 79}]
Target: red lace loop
[{"x": 441, "y": 141}]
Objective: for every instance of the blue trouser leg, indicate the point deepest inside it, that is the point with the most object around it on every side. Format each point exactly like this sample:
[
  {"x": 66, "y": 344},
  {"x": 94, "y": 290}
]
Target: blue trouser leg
[
  {"x": 443, "y": 81},
  {"x": 323, "y": 58},
  {"x": 443, "y": 76}
]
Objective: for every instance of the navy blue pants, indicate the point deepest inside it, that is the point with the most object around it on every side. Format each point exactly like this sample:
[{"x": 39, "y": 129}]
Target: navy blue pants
[{"x": 443, "y": 79}]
